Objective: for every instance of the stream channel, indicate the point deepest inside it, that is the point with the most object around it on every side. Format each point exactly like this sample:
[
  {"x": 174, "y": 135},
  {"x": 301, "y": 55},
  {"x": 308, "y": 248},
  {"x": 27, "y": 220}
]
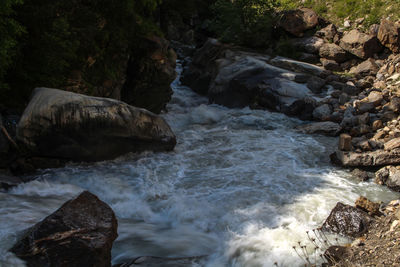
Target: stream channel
[{"x": 241, "y": 186}]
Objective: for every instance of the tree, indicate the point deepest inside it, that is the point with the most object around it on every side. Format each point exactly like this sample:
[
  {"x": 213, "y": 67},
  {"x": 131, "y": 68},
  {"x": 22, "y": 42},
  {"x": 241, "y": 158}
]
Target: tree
[
  {"x": 9, "y": 31},
  {"x": 245, "y": 22}
]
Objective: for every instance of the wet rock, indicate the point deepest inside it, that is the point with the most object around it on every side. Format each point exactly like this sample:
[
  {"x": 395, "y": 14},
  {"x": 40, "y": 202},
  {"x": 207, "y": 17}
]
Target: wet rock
[
  {"x": 360, "y": 44},
  {"x": 389, "y": 176},
  {"x": 315, "y": 84},
  {"x": 363, "y": 106},
  {"x": 322, "y": 112},
  {"x": 201, "y": 72},
  {"x": 151, "y": 70},
  {"x": 343, "y": 98},
  {"x": 69, "y": 126},
  {"x": 80, "y": 233},
  {"x": 368, "y": 206},
  {"x": 345, "y": 142},
  {"x": 302, "y": 108},
  {"x": 309, "y": 58},
  {"x": 331, "y": 65},
  {"x": 298, "y": 66},
  {"x": 334, "y": 52},
  {"x": 347, "y": 220},
  {"x": 299, "y": 20},
  {"x": 360, "y": 175},
  {"x": 389, "y": 35},
  {"x": 326, "y": 128},
  {"x": 7, "y": 181},
  {"x": 335, "y": 254},
  {"x": 165, "y": 262},
  {"x": 368, "y": 67},
  {"x": 309, "y": 44}
]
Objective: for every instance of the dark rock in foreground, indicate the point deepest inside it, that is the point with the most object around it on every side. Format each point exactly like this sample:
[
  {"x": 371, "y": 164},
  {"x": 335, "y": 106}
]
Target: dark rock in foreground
[
  {"x": 347, "y": 220},
  {"x": 65, "y": 125},
  {"x": 80, "y": 233},
  {"x": 7, "y": 181},
  {"x": 165, "y": 262}
]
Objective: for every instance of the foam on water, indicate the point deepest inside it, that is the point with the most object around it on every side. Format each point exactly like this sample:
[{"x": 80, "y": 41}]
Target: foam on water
[{"x": 241, "y": 186}]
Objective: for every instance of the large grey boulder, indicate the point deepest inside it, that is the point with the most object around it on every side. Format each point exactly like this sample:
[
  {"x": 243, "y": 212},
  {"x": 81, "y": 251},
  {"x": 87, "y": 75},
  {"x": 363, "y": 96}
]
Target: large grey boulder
[
  {"x": 65, "y": 125},
  {"x": 80, "y": 233}
]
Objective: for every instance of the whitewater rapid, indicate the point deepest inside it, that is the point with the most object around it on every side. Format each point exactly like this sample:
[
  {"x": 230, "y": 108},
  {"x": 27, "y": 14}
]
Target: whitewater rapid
[{"x": 241, "y": 186}]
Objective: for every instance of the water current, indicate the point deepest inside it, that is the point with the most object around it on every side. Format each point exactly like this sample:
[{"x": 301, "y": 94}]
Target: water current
[{"x": 241, "y": 186}]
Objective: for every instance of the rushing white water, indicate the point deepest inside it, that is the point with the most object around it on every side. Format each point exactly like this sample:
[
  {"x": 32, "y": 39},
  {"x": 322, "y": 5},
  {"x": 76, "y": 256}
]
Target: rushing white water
[{"x": 241, "y": 186}]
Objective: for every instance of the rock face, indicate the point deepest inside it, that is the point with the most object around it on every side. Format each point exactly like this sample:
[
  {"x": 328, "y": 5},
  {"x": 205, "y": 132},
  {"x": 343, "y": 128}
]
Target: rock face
[
  {"x": 360, "y": 44},
  {"x": 151, "y": 69},
  {"x": 80, "y": 233},
  {"x": 299, "y": 20},
  {"x": 389, "y": 35},
  {"x": 347, "y": 220},
  {"x": 65, "y": 125}
]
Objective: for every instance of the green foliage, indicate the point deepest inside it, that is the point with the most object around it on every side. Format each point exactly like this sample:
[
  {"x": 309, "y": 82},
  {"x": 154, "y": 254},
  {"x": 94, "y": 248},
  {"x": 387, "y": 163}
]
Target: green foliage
[
  {"x": 88, "y": 37},
  {"x": 9, "y": 31},
  {"x": 284, "y": 47},
  {"x": 245, "y": 22}
]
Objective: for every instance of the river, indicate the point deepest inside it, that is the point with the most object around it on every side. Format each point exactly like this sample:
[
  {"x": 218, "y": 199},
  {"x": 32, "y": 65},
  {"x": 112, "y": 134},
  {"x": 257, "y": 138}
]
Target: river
[{"x": 241, "y": 186}]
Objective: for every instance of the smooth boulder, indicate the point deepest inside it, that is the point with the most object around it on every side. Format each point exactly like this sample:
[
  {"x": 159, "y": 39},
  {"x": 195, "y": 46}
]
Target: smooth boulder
[
  {"x": 347, "y": 220},
  {"x": 80, "y": 233},
  {"x": 65, "y": 125}
]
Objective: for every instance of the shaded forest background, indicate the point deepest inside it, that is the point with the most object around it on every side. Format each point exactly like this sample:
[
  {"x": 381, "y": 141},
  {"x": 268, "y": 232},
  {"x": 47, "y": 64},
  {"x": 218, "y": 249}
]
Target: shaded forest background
[{"x": 69, "y": 43}]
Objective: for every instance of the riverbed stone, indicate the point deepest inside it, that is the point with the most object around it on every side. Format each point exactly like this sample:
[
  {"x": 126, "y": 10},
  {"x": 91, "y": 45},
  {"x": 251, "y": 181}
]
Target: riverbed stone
[
  {"x": 392, "y": 144},
  {"x": 389, "y": 176},
  {"x": 80, "y": 233},
  {"x": 345, "y": 142},
  {"x": 322, "y": 112},
  {"x": 347, "y": 221},
  {"x": 334, "y": 52},
  {"x": 65, "y": 125},
  {"x": 147, "y": 261},
  {"x": 328, "y": 128},
  {"x": 360, "y": 44},
  {"x": 297, "y": 21},
  {"x": 389, "y": 35},
  {"x": 378, "y": 157}
]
